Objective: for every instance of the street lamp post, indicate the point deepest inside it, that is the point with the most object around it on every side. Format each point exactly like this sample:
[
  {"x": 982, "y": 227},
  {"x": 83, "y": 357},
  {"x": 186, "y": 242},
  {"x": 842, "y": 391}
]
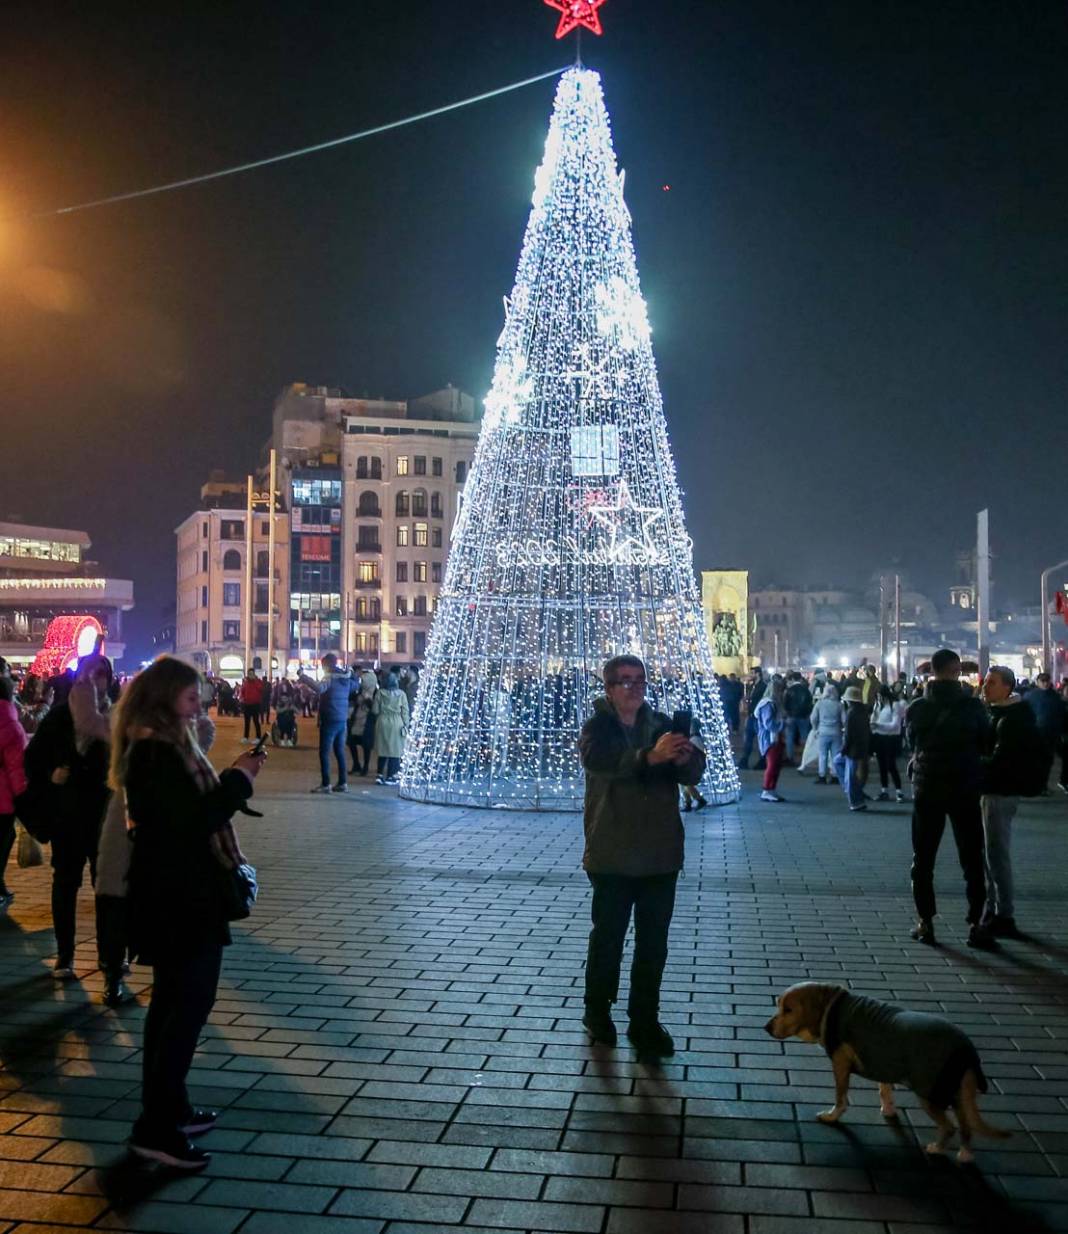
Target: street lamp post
[{"x": 1047, "y": 665}]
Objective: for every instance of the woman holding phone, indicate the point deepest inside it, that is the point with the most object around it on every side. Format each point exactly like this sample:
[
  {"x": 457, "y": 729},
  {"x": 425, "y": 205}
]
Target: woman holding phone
[{"x": 179, "y": 815}]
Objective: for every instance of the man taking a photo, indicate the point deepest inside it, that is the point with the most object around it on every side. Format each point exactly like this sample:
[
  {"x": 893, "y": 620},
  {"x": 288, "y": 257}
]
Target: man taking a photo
[{"x": 634, "y": 764}]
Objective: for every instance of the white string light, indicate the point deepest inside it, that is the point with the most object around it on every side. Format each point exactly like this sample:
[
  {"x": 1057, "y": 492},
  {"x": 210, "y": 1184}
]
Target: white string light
[{"x": 570, "y": 545}]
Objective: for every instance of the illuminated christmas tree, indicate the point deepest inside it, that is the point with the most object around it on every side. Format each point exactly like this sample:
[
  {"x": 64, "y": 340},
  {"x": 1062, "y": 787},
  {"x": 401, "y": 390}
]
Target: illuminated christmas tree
[{"x": 570, "y": 544}]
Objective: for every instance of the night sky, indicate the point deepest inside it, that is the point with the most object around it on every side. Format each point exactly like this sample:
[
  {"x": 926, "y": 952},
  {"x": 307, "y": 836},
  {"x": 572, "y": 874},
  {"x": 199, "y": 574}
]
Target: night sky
[{"x": 858, "y": 281}]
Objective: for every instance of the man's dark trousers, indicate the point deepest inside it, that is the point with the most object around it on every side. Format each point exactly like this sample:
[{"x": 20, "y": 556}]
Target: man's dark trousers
[
  {"x": 929, "y": 813},
  {"x": 615, "y": 896}
]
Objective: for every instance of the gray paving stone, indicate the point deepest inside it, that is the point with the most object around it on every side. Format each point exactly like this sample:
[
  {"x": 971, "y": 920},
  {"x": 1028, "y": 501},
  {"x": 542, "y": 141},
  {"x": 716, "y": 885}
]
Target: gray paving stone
[
  {"x": 281, "y": 1197},
  {"x": 290, "y": 1223},
  {"x": 407, "y": 1206},
  {"x": 517, "y": 1215},
  {"x": 397, "y": 1048}
]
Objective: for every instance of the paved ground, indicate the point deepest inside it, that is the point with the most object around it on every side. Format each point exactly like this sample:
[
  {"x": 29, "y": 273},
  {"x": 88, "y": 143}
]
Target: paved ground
[{"x": 397, "y": 1045}]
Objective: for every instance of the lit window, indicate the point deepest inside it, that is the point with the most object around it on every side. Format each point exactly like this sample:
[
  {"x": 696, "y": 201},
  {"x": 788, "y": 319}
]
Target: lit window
[
  {"x": 421, "y": 535},
  {"x": 419, "y": 571},
  {"x": 402, "y": 465}
]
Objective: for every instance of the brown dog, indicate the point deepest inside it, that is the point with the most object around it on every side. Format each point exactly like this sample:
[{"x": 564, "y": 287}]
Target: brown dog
[{"x": 892, "y": 1046}]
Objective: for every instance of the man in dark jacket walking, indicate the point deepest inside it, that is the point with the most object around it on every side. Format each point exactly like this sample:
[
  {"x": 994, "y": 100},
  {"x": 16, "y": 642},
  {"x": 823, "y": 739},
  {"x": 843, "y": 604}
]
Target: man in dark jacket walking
[
  {"x": 634, "y": 764},
  {"x": 1015, "y": 766},
  {"x": 797, "y": 703},
  {"x": 948, "y": 732}
]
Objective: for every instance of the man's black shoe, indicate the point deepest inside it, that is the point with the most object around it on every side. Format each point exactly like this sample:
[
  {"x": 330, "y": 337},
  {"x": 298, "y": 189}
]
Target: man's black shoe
[
  {"x": 1004, "y": 927},
  {"x": 981, "y": 937},
  {"x": 651, "y": 1038},
  {"x": 600, "y": 1027},
  {"x": 923, "y": 932},
  {"x": 199, "y": 1122},
  {"x": 170, "y": 1148}
]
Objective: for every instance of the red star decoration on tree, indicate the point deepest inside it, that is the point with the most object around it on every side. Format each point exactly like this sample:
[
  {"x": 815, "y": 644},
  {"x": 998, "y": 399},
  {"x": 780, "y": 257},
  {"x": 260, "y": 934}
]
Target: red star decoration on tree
[{"x": 575, "y": 13}]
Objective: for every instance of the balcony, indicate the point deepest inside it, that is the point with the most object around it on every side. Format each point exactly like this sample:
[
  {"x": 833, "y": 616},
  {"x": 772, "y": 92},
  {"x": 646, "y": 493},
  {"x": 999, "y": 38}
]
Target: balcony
[
  {"x": 369, "y": 512},
  {"x": 362, "y": 547},
  {"x": 367, "y": 619},
  {"x": 371, "y": 584}
]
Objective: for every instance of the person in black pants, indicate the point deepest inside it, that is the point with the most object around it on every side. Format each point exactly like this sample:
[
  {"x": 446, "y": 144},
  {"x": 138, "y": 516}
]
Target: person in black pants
[
  {"x": 184, "y": 851},
  {"x": 948, "y": 732},
  {"x": 12, "y": 778},
  {"x": 67, "y": 761},
  {"x": 634, "y": 765}
]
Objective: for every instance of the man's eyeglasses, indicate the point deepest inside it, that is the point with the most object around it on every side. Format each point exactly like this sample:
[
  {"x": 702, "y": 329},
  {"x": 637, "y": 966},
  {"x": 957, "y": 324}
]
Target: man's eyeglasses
[{"x": 629, "y": 683}]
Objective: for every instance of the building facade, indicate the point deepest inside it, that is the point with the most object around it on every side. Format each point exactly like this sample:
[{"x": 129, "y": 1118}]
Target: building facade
[
  {"x": 367, "y": 494},
  {"x": 211, "y": 603},
  {"x": 44, "y": 574},
  {"x": 374, "y": 488}
]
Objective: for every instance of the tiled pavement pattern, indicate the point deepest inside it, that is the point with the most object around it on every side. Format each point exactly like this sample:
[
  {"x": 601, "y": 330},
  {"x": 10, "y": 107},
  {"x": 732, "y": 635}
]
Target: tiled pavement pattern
[{"x": 397, "y": 1044}]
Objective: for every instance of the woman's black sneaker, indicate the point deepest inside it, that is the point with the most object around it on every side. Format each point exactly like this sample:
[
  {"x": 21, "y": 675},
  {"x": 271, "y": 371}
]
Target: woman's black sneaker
[
  {"x": 923, "y": 932},
  {"x": 199, "y": 1122},
  {"x": 171, "y": 1148},
  {"x": 117, "y": 992}
]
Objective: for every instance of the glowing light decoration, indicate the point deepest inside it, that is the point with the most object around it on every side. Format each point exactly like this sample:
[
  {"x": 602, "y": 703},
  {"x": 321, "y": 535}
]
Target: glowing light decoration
[
  {"x": 570, "y": 544},
  {"x": 67, "y": 639},
  {"x": 575, "y": 14}
]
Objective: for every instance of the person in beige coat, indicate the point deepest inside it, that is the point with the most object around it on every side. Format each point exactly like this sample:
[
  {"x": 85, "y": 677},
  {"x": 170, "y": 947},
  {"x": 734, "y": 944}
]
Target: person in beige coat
[{"x": 390, "y": 710}]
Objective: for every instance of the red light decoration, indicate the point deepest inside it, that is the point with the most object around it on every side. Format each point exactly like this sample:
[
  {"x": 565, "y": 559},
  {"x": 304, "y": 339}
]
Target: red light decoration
[
  {"x": 66, "y": 640},
  {"x": 575, "y": 14}
]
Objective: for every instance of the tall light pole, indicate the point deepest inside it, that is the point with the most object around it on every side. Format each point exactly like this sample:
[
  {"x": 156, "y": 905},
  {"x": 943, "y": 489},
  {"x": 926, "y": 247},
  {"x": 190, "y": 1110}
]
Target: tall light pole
[
  {"x": 982, "y": 590},
  {"x": 248, "y": 578},
  {"x": 1046, "y": 641},
  {"x": 270, "y": 567},
  {"x": 897, "y": 625}
]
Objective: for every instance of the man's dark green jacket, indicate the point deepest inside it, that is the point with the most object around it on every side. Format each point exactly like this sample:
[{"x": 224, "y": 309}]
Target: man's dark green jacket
[{"x": 631, "y": 818}]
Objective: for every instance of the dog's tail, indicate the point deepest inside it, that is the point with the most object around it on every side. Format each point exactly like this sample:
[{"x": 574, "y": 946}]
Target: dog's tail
[{"x": 969, "y": 1110}]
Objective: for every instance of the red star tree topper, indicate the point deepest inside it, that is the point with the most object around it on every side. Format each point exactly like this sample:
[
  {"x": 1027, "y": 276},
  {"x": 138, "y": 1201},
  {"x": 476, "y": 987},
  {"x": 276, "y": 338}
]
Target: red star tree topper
[{"x": 576, "y": 13}]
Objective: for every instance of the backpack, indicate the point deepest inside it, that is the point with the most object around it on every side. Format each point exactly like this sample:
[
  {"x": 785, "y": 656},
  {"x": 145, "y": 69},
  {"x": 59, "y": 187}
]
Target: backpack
[{"x": 51, "y": 746}]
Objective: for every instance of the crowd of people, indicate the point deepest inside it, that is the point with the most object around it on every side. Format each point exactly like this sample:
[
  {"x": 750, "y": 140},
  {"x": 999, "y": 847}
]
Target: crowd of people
[
  {"x": 118, "y": 782},
  {"x": 972, "y": 750}
]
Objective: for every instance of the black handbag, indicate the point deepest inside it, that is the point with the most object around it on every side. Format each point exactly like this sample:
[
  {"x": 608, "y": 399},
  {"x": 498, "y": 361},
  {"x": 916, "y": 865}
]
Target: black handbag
[
  {"x": 240, "y": 889},
  {"x": 35, "y": 810}
]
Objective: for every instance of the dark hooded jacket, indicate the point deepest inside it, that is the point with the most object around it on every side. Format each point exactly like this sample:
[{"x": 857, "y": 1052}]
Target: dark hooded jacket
[
  {"x": 948, "y": 731},
  {"x": 631, "y": 819}
]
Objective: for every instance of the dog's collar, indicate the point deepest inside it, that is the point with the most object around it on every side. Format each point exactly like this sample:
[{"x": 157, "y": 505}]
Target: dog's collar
[{"x": 831, "y": 1006}]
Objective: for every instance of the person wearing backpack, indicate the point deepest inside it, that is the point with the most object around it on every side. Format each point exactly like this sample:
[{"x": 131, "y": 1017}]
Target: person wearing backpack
[
  {"x": 948, "y": 732},
  {"x": 1014, "y": 767}
]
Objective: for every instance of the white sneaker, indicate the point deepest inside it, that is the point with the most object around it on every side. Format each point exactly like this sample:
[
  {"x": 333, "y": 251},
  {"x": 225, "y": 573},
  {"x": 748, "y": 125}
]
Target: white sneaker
[
  {"x": 900, "y": 795},
  {"x": 768, "y": 795}
]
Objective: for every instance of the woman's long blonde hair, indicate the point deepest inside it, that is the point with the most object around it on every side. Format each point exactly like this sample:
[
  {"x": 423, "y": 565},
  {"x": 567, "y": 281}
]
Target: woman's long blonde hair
[{"x": 147, "y": 705}]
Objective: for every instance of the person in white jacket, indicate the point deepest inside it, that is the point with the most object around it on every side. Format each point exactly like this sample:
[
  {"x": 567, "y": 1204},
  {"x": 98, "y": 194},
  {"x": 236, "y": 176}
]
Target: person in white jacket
[
  {"x": 887, "y": 721},
  {"x": 827, "y": 721}
]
